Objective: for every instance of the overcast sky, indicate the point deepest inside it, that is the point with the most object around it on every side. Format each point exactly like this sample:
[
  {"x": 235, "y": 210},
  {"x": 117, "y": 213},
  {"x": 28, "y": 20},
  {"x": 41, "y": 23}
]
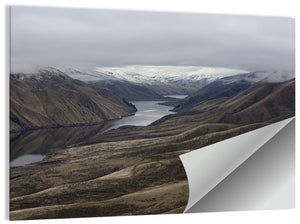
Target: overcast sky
[{"x": 82, "y": 37}]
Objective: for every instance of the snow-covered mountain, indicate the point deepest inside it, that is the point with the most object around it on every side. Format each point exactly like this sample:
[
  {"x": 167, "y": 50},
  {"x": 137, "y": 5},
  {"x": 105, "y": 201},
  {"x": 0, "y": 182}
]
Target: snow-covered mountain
[
  {"x": 153, "y": 74},
  {"x": 132, "y": 82},
  {"x": 142, "y": 74}
]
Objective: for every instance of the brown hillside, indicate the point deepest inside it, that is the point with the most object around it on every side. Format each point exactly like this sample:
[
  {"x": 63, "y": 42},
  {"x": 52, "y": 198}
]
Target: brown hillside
[
  {"x": 51, "y": 98},
  {"x": 262, "y": 102}
]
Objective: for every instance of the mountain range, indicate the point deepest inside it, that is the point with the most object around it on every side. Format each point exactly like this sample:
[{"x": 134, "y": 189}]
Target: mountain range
[
  {"x": 154, "y": 82},
  {"x": 151, "y": 74}
]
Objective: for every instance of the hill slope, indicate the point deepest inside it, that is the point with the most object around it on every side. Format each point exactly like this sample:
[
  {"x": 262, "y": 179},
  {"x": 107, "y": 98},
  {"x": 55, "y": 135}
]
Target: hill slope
[
  {"x": 130, "y": 91},
  {"x": 261, "y": 102},
  {"x": 212, "y": 91},
  {"x": 51, "y": 98}
]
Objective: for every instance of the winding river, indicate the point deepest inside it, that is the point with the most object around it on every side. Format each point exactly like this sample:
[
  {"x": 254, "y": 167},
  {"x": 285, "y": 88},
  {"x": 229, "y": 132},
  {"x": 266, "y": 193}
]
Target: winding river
[{"x": 32, "y": 146}]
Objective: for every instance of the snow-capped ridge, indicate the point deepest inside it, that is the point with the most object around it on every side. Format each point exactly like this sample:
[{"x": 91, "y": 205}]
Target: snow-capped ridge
[{"x": 150, "y": 74}]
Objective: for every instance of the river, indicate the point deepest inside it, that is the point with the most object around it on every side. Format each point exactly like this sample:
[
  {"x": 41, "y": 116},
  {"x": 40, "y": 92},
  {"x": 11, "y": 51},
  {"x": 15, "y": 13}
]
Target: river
[
  {"x": 32, "y": 146},
  {"x": 147, "y": 112}
]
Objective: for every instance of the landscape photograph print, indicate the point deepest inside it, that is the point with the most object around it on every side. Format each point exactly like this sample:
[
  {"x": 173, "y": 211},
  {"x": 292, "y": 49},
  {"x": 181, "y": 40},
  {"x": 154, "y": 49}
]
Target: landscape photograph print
[{"x": 103, "y": 102}]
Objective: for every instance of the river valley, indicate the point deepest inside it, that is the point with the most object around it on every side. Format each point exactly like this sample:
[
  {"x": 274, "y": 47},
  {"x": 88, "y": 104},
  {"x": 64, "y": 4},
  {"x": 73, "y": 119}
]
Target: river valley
[{"x": 32, "y": 146}]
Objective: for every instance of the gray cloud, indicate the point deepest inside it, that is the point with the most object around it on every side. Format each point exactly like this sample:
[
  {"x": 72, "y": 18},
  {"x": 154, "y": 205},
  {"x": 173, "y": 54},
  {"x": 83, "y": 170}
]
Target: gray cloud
[{"x": 69, "y": 37}]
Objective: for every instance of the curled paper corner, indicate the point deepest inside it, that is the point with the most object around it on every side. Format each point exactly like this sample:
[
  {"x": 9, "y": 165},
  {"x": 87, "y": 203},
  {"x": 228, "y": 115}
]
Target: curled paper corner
[{"x": 208, "y": 166}]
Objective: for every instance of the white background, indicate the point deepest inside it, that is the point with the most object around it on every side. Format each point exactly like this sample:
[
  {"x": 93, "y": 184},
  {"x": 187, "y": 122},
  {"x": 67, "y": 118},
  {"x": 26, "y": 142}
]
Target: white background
[{"x": 249, "y": 7}]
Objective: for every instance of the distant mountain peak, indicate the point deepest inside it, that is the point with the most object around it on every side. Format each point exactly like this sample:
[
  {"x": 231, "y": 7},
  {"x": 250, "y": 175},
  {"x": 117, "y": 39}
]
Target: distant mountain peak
[
  {"x": 151, "y": 74},
  {"x": 164, "y": 73}
]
